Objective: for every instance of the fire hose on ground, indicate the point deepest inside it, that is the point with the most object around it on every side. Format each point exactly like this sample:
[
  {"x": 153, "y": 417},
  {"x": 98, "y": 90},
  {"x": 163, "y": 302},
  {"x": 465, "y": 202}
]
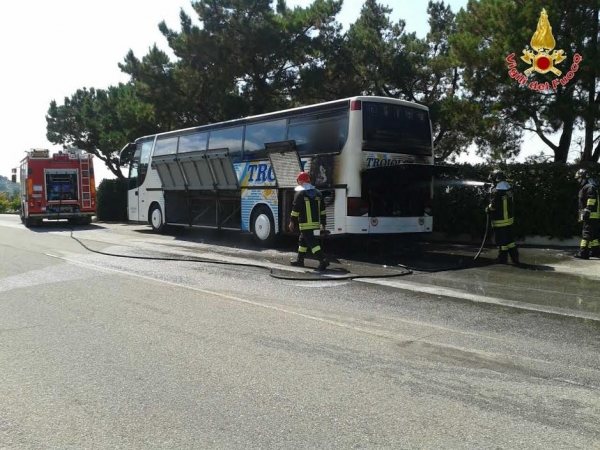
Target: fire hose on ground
[{"x": 408, "y": 270}]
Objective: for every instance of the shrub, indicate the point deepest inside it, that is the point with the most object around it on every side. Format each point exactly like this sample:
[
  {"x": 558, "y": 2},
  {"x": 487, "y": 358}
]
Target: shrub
[
  {"x": 112, "y": 200},
  {"x": 545, "y": 200}
]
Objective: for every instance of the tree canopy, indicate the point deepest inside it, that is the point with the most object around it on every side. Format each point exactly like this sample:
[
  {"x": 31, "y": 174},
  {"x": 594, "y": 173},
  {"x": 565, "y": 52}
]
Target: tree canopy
[
  {"x": 244, "y": 57},
  {"x": 489, "y": 32}
]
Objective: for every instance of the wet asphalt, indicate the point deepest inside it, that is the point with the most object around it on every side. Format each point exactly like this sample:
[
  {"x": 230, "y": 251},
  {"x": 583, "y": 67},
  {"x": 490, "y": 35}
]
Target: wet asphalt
[{"x": 107, "y": 352}]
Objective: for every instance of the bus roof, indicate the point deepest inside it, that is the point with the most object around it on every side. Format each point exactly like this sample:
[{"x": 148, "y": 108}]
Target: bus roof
[{"x": 283, "y": 112}]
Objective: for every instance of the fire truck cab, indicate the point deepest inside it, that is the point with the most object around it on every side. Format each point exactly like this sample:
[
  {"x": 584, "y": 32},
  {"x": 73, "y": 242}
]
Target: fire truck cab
[{"x": 58, "y": 186}]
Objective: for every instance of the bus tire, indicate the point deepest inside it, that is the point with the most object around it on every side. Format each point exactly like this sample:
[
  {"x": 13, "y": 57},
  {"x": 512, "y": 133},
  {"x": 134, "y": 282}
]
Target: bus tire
[
  {"x": 263, "y": 226},
  {"x": 156, "y": 218}
]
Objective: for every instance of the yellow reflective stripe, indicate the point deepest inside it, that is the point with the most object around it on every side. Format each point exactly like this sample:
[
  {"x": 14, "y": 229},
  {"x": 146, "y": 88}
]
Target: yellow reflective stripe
[
  {"x": 584, "y": 243},
  {"x": 295, "y": 213},
  {"x": 309, "y": 218},
  {"x": 505, "y": 207},
  {"x": 491, "y": 207},
  {"x": 512, "y": 245},
  {"x": 591, "y": 201},
  {"x": 502, "y": 223},
  {"x": 323, "y": 213},
  {"x": 595, "y": 243},
  {"x": 309, "y": 226},
  {"x": 504, "y": 247},
  {"x": 595, "y": 215},
  {"x": 316, "y": 249},
  {"x": 302, "y": 249}
]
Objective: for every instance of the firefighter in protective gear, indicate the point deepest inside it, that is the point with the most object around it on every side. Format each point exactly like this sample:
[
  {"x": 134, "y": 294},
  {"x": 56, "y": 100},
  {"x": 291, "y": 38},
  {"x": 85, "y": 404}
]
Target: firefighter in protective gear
[
  {"x": 308, "y": 214},
  {"x": 501, "y": 211},
  {"x": 589, "y": 214}
]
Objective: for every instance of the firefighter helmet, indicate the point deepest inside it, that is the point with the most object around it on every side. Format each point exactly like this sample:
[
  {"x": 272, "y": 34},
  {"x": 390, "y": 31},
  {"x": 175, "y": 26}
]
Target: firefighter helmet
[
  {"x": 303, "y": 177},
  {"x": 582, "y": 175},
  {"x": 497, "y": 175}
]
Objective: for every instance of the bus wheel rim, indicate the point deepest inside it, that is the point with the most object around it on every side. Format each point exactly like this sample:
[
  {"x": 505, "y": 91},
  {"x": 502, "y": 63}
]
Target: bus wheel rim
[
  {"x": 262, "y": 227},
  {"x": 156, "y": 218}
]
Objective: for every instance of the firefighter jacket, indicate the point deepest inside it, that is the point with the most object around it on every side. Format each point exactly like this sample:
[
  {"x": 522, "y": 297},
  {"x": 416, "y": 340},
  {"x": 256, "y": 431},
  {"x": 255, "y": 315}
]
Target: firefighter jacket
[
  {"x": 501, "y": 207},
  {"x": 308, "y": 209},
  {"x": 590, "y": 200}
]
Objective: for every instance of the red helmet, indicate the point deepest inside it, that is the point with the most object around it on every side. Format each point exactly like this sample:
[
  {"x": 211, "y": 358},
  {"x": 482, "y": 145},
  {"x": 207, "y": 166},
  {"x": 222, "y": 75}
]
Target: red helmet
[{"x": 303, "y": 177}]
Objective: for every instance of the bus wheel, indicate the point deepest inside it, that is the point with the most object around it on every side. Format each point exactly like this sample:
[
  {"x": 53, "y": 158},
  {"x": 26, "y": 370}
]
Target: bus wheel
[
  {"x": 263, "y": 226},
  {"x": 156, "y": 219}
]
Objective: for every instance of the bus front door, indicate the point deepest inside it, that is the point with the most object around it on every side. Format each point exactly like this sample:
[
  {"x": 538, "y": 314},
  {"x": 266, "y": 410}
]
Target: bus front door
[{"x": 133, "y": 194}]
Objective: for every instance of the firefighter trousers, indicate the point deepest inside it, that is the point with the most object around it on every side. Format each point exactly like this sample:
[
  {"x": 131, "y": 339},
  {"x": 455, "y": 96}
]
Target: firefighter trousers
[
  {"x": 506, "y": 244},
  {"x": 590, "y": 236},
  {"x": 306, "y": 241}
]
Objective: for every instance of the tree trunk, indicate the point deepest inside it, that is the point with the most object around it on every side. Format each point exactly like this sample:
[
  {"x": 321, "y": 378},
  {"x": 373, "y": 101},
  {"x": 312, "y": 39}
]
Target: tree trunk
[{"x": 561, "y": 152}]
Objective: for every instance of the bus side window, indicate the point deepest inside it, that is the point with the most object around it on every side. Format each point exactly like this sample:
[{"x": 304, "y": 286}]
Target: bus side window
[
  {"x": 323, "y": 135},
  {"x": 230, "y": 138},
  {"x": 166, "y": 146},
  {"x": 260, "y": 133},
  {"x": 193, "y": 142}
]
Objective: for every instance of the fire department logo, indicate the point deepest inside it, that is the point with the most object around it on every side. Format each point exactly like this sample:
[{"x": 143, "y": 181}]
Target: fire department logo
[
  {"x": 542, "y": 58},
  {"x": 543, "y": 43}
]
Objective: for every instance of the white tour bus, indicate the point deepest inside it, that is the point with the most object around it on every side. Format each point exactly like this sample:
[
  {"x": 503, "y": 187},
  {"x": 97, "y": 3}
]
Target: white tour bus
[{"x": 372, "y": 157}]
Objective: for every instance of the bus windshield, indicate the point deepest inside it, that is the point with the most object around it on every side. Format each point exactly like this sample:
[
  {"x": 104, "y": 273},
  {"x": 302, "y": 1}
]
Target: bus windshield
[{"x": 396, "y": 129}]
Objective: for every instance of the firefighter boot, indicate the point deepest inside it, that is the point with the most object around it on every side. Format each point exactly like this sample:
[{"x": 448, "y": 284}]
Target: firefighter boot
[
  {"x": 584, "y": 253},
  {"x": 502, "y": 257},
  {"x": 299, "y": 261},
  {"x": 514, "y": 255},
  {"x": 323, "y": 263}
]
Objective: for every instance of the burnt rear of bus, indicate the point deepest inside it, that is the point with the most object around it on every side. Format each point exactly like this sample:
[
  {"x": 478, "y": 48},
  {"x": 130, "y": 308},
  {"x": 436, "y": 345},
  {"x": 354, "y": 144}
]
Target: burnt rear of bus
[{"x": 396, "y": 180}]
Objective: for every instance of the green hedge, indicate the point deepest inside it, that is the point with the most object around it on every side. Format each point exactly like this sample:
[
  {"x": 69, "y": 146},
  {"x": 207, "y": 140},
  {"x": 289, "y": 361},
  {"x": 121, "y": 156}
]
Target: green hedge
[
  {"x": 545, "y": 200},
  {"x": 112, "y": 200}
]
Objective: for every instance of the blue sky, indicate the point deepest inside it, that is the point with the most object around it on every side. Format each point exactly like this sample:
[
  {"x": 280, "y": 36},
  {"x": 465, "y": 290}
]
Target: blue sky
[{"x": 55, "y": 47}]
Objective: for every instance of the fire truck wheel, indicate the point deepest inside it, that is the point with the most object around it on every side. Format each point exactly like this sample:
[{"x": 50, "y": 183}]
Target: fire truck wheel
[
  {"x": 156, "y": 218},
  {"x": 263, "y": 226},
  {"x": 29, "y": 222}
]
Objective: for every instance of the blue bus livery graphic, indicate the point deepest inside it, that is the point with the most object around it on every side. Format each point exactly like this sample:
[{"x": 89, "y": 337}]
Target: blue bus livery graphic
[{"x": 257, "y": 174}]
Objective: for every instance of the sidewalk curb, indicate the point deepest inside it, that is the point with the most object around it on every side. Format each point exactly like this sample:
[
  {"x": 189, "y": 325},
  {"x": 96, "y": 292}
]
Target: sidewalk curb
[{"x": 474, "y": 298}]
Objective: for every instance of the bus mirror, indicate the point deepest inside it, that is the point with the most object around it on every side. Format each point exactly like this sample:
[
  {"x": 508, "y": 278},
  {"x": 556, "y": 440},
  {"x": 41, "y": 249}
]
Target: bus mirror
[
  {"x": 126, "y": 154},
  {"x": 13, "y": 178}
]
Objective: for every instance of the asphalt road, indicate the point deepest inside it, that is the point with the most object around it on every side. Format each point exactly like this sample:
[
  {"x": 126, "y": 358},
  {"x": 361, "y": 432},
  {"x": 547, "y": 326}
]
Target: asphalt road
[{"x": 103, "y": 352}]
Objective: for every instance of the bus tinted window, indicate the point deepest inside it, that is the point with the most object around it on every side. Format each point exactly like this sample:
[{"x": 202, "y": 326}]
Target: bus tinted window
[
  {"x": 165, "y": 146},
  {"x": 324, "y": 134},
  {"x": 230, "y": 138},
  {"x": 258, "y": 134},
  {"x": 396, "y": 129},
  {"x": 192, "y": 142}
]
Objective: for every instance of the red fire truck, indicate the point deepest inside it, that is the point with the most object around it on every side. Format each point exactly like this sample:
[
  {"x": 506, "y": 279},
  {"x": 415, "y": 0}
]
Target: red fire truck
[{"x": 58, "y": 186}]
